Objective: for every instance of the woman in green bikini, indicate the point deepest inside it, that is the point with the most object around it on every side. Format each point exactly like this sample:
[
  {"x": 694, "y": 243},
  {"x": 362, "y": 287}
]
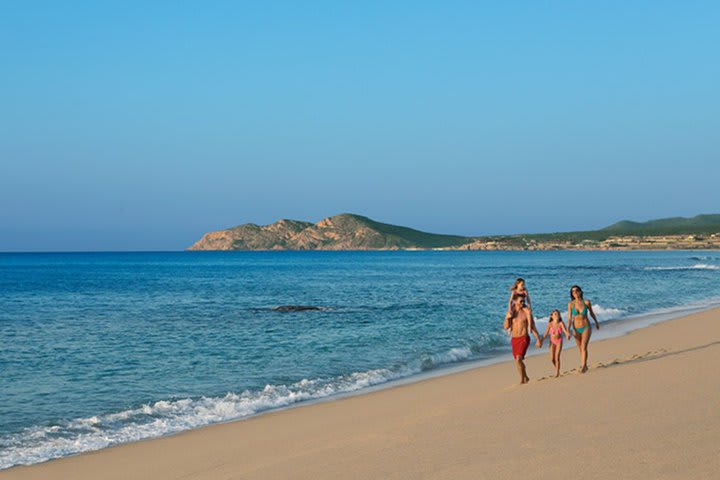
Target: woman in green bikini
[{"x": 578, "y": 310}]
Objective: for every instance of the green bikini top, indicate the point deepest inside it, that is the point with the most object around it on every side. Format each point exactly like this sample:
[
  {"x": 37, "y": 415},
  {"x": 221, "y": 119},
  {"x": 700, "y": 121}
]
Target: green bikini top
[{"x": 576, "y": 313}]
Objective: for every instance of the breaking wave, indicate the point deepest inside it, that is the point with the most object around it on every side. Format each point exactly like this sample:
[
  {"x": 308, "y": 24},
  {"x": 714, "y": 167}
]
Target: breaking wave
[
  {"x": 698, "y": 266},
  {"x": 41, "y": 443},
  {"x": 603, "y": 314}
]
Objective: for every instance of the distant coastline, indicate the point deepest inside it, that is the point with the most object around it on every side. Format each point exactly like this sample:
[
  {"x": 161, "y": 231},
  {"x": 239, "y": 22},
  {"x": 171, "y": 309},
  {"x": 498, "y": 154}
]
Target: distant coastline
[{"x": 356, "y": 232}]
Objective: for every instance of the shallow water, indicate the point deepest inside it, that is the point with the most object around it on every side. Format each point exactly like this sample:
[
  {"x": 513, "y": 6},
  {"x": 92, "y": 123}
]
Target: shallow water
[{"x": 105, "y": 348}]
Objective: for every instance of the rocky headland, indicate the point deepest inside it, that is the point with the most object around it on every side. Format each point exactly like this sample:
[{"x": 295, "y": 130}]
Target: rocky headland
[
  {"x": 340, "y": 232},
  {"x": 355, "y": 232}
]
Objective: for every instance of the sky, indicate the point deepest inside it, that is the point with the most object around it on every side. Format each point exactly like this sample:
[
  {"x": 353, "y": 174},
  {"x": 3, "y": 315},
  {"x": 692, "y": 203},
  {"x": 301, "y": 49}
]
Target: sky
[{"x": 142, "y": 125}]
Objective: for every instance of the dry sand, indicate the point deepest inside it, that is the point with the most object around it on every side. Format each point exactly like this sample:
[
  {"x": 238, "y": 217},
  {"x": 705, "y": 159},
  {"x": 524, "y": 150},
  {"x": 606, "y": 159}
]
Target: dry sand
[{"x": 648, "y": 408}]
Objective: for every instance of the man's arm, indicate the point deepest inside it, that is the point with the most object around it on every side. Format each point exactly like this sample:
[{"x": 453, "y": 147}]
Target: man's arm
[
  {"x": 547, "y": 332},
  {"x": 508, "y": 321},
  {"x": 532, "y": 327}
]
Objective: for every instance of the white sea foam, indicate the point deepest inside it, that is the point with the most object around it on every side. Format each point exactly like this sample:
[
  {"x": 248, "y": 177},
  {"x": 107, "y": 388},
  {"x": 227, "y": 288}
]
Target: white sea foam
[
  {"x": 697, "y": 266},
  {"x": 41, "y": 443},
  {"x": 610, "y": 313},
  {"x": 603, "y": 314}
]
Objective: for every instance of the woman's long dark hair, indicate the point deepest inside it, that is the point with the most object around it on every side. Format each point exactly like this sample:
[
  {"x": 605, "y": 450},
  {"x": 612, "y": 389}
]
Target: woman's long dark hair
[{"x": 579, "y": 290}]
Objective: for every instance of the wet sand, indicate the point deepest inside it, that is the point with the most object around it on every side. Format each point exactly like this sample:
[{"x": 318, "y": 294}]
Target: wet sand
[{"x": 649, "y": 407}]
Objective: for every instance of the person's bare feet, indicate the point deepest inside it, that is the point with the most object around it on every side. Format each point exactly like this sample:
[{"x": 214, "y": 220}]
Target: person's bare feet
[{"x": 584, "y": 369}]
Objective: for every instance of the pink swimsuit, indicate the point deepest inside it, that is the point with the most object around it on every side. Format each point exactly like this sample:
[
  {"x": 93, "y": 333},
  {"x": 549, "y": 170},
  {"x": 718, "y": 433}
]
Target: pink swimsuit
[
  {"x": 556, "y": 335},
  {"x": 522, "y": 294}
]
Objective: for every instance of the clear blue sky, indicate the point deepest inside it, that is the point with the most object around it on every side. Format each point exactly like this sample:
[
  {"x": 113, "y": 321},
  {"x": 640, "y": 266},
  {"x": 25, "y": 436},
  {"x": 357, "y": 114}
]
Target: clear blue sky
[{"x": 141, "y": 125}]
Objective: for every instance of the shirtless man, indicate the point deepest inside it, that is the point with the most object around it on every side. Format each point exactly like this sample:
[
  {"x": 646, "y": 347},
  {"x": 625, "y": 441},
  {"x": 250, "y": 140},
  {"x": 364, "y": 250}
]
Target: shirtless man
[{"x": 519, "y": 321}]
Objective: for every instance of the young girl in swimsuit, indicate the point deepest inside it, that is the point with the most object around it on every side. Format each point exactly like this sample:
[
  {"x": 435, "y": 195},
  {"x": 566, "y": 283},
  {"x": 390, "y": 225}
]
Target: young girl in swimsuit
[
  {"x": 556, "y": 328},
  {"x": 578, "y": 310},
  {"x": 518, "y": 288}
]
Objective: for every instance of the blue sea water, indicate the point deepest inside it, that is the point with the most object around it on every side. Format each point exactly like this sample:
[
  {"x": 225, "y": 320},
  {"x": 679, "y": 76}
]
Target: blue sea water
[{"x": 105, "y": 348}]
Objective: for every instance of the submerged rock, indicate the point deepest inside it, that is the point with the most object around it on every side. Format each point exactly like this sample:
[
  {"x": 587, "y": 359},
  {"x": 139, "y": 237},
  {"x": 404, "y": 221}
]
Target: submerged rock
[{"x": 296, "y": 308}]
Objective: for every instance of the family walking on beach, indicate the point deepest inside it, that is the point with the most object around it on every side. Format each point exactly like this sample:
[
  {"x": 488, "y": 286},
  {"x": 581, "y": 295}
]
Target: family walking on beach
[{"x": 519, "y": 323}]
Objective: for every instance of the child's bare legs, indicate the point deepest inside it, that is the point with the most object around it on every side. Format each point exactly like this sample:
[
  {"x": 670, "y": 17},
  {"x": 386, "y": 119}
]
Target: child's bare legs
[{"x": 556, "y": 349}]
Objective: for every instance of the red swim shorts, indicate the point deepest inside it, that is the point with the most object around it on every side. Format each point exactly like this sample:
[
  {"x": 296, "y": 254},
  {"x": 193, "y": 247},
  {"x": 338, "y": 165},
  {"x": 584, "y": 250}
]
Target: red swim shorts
[{"x": 520, "y": 346}]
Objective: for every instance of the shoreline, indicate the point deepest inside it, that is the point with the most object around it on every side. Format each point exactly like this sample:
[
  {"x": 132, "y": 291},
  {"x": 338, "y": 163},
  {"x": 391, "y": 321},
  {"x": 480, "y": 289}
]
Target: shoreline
[
  {"x": 614, "y": 327},
  {"x": 79, "y": 417},
  {"x": 499, "y": 377}
]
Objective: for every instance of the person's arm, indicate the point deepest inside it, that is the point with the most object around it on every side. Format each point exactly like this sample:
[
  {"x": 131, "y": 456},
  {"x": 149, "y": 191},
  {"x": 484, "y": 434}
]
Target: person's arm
[
  {"x": 507, "y": 324},
  {"x": 564, "y": 329},
  {"x": 533, "y": 329},
  {"x": 512, "y": 293},
  {"x": 527, "y": 300},
  {"x": 592, "y": 314},
  {"x": 571, "y": 320},
  {"x": 547, "y": 332}
]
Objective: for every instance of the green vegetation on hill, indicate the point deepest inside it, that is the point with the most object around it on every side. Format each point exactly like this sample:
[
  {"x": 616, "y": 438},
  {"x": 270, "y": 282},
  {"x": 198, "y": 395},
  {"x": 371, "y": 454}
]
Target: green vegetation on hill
[
  {"x": 667, "y": 226},
  {"x": 356, "y": 232},
  {"x": 700, "y": 224},
  {"x": 408, "y": 236},
  {"x": 340, "y": 232}
]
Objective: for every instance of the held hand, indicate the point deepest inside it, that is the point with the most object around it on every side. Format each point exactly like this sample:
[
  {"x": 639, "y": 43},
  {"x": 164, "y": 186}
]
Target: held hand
[
  {"x": 539, "y": 343},
  {"x": 568, "y": 336}
]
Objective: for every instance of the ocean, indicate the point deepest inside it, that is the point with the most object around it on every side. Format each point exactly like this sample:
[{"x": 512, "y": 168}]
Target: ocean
[{"x": 100, "y": 349}]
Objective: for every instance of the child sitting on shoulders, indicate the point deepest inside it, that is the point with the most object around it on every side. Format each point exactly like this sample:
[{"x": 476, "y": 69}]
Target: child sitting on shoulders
[{"x": 518, "y": 288}]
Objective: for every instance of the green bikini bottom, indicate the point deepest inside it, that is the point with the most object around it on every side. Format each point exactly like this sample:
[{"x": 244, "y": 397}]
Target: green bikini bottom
[{"x": 580, "y": 330}]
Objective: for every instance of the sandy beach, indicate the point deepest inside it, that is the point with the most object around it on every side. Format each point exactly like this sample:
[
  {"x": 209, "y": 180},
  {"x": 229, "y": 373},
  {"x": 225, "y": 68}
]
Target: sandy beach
[{"x": 648, "y": 408}]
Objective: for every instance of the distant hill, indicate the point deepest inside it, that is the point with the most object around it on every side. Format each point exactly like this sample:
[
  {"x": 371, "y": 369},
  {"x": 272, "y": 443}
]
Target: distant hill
[
  {"x": 667, "y": 226},
  {"x": 340, "y": 232},
  {"x": 700, "y": 224},
  {"x": 355, "y": 232}
]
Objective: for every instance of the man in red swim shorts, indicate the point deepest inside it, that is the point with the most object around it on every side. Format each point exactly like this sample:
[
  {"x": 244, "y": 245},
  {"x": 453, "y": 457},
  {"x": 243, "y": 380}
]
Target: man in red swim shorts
[{"x": 519, "y": 320}]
